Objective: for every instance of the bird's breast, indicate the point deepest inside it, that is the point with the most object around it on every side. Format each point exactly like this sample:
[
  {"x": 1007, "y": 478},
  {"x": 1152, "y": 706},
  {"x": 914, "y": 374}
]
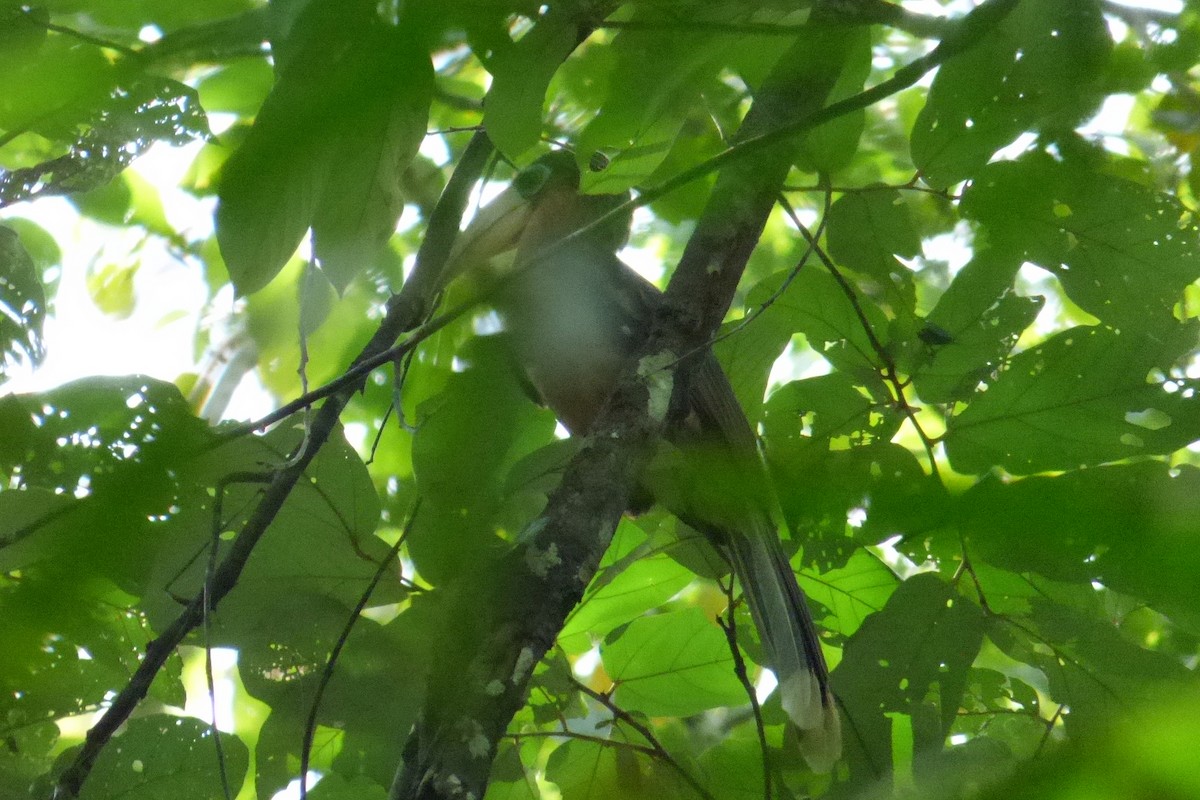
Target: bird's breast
[{"x": 571, "y": 336}]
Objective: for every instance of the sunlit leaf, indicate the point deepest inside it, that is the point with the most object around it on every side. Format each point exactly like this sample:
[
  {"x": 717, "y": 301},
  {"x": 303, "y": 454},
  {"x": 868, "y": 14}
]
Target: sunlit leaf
[
  {"x": 585, "y": 770},
  {"x": 853, "y": 592},
  {"x": 635, "y": 577},
  {"x": 521, "y": 73},
  {"x": 1122, "y": 251},
  {"x": 1039, "y": 68},
  {"x": 676, "y": 663}
]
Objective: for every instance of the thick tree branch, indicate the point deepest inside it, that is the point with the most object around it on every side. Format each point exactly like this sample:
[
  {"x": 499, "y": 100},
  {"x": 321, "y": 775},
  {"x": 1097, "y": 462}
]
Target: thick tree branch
[{"x": 507, "y": 614}]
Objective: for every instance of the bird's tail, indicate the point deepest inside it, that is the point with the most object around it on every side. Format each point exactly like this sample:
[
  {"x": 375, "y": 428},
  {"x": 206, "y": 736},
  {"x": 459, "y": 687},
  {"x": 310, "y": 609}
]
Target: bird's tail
[{"x": 789, "y": 641}]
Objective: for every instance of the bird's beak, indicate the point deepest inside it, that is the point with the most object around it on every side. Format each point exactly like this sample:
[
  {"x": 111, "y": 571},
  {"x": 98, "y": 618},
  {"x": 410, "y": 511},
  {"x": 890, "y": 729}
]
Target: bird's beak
[{"x": 496, "y": 230}]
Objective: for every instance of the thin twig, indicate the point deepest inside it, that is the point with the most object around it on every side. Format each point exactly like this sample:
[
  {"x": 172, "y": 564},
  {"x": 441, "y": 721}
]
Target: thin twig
[
  {"x": 442, "y": 227},
  {"x": 965, "y": 567},
  {"x": 964, "y": 35},
  {"x": 645, "y": 732},
  {"x": 911, "y": 185},
  {"x": 890, "y": 372},
  {"x": 210, "y": 569},
  {"x": 1050, "y": 723},
  {"x": 81, "y": 36},
  {"x": 310, "y": 725},
  {"x": 729, "y": 627}
]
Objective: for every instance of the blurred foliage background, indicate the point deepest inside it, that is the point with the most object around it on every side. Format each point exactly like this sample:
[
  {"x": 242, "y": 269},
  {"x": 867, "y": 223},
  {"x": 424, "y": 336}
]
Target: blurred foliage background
[{"x": 976, "y": 395}]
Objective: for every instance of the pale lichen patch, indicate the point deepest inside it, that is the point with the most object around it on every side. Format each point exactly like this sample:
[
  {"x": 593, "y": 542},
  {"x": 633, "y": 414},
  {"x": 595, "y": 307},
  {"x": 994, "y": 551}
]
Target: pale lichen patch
[
  {"x": 655, "y": 370},
  {"x": 540, "y": 562},
  {"x": 524, "y": 665}
]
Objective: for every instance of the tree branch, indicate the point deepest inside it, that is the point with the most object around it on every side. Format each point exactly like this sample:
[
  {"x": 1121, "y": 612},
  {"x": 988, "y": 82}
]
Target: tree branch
[
  {"x": 507, "y": 613},
  {"x": 964, "y": 34},
  {"x": 401, "y": 316}
]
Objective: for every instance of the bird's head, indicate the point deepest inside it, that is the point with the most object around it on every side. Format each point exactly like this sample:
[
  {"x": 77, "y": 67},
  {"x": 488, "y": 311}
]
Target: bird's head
[{"x": 540, "y": 208}]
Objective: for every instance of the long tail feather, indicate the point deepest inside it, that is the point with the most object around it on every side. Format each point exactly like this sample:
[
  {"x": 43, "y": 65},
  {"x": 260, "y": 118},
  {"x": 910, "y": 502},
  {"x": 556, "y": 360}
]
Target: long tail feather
[{"x": 790, "y": 642}]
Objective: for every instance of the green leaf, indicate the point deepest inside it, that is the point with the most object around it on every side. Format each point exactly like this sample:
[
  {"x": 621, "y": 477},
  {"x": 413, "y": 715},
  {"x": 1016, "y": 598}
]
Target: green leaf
[
  {"x": 22, "y": 305},
  {"x": 106, "y": 133},
  {"x": 26, "y": 757},
  {"x": 97, "y": 433},
  {"x": 323, "y": 539},
  {"x": 510, "y": 778},
  {"x": 467, "y": 438},
  {"x": 976, "y": 351},
  {"x": 239, "y": 87},
  {"x": 162, "y": 756},
  {"x": 637, "y": 574},
  {"x": 309, "y": 160},
  {"x": 1122, "y": 251},
  {"x": 830, "y": 147},
  {"x": 734, "y": 770},
  {"x": 335, "y": 787},
  {"x": 636, "y": 129},
  {"x": 633, "y": 158},
  {"x": 71, "y": 638},
  {"x": 585, "y": 770},
  {"x": 377, "y": 685},
  {"x": 913, "y": 657},
  {"x": 1039, "y": 68},
  {"x": 815, "y": 305},
  {"x": 1084, "y": 396},
  {"x": 748, "y": 348},
  {"x": 43, "y": 74},
  {"x": 853, "y": 592},
  {"x": 1148, "y": 745},
  {"x": 1124, "y": 526},
  {"x": 983, "y": 318},
  {"x": 675, "y": 664},
  {"x": 867, "y": 230},
  {"x": 828, "y": 449},
  {"x": 819, "y": 409},
  {"x": 1091, "y": 668},
  {"x": 521, "y": 74},
  {"x": 380, "y": 133}
]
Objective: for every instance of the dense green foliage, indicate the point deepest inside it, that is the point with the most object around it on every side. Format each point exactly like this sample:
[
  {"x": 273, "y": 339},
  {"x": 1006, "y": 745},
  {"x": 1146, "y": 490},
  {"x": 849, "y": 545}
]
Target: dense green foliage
[{"x": 976, "y": 395}]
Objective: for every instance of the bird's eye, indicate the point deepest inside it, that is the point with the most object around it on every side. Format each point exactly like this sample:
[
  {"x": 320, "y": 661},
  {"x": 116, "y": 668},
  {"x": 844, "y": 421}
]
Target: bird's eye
[{"x": 532, "y": 180}]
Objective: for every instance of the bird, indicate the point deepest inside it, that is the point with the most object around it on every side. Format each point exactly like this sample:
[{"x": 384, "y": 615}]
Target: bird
[{"x": 576, "y": 314}]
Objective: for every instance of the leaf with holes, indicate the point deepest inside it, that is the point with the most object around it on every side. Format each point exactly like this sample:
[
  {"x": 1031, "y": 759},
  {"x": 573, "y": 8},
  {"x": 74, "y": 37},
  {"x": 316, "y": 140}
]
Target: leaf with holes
[
  {"x": 1039, "y": 68},
  {"x": 1084, "y": 396},
  {"x": 1122, "y": 251}
]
